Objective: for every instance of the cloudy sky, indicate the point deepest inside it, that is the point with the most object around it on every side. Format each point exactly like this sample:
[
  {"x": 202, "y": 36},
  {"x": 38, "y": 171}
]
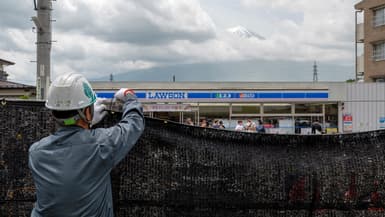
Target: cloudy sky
[{"x": 191, "y": 39}]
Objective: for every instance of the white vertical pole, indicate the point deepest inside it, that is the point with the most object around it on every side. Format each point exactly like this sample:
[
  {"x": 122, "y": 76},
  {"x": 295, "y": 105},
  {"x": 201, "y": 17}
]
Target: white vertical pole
[{"x": 43, "y": 44}]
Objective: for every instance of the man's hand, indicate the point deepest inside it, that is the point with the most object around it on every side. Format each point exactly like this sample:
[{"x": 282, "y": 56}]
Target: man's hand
[
  {"x": 125, "y": 94},
  {"x": 99, "y": 112}
]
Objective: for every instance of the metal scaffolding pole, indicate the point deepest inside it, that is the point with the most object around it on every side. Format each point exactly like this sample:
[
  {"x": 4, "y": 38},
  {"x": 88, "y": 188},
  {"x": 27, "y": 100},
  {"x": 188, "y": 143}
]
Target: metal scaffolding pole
[{"x": 43, "y": 45}]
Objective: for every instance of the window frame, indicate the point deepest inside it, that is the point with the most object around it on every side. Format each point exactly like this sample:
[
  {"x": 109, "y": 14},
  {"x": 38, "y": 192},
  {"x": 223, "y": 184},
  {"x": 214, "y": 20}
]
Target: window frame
[
  {"x": 379, "y": 51},
  {"x": 379, "y": 16}
]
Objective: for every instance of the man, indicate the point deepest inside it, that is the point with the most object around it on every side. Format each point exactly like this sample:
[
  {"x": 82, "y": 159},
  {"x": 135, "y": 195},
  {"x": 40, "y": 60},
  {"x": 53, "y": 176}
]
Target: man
[
  {"x": 71, "y": 168},
  {"x": 189, "y": 122},
  {"x": 260, "y": 128},
  {"x": 216, "y": 124},
  {"x": 250, "y": 126},
  {"x": 221, "y": 125},
  {"x": 316, "y": 127}
]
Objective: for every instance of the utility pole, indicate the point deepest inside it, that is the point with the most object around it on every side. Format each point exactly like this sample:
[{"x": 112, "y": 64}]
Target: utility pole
[
  {"x": 315, "y": 72},
  {"x": 43, "y": 46}
]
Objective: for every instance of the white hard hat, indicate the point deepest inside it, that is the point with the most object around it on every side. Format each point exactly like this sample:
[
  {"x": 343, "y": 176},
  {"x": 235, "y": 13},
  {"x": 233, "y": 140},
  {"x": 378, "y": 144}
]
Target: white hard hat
[{"x": 70, "y": 92}]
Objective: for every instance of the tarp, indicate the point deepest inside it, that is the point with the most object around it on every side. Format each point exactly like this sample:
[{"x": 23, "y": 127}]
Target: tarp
[{"x": 180, "y": 170}]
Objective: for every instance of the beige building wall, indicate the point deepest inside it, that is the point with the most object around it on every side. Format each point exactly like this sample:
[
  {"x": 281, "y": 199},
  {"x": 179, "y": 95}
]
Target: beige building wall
[
  {"x": 29, "y": 93},
  {"x": 373, "y": 69}
]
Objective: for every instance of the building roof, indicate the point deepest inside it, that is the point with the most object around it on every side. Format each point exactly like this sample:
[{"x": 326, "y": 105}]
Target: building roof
[
  {"x": 367, "y": 4},
  {"x": 359, "y": 5},
  {"x": 6, "y": 62},
  {"x": 13, "y": 85}
]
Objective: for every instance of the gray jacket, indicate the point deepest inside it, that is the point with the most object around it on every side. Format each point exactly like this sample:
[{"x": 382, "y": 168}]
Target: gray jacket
[{"x": 71, "y": 168}]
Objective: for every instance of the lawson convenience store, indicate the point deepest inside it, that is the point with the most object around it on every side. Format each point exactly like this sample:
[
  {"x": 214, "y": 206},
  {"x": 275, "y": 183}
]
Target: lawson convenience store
[{"x": 282, "y": 107}]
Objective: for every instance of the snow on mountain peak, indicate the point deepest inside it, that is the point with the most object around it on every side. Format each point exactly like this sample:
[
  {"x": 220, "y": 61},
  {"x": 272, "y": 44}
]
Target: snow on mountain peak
[{"x": 244, "y": 33}]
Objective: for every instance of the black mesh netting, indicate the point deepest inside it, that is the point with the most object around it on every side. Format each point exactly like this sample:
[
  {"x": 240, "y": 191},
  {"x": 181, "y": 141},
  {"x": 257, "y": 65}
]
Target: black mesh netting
[{"x": 178, "y": 170}]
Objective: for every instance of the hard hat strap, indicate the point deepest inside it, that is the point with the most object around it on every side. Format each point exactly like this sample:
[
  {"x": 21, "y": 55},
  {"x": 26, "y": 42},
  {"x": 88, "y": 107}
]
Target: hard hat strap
[
  {"x": 67, "y": 121},
  {"x": 82, "y": 114}
]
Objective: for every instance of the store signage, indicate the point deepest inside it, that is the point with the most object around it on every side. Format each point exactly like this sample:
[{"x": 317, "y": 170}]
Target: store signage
[
  {"x": 223, "y": 95},
  {"x": 166, "y": 108},
  {"x": 166, "y": 95},
  {"x": 246, "y": 95},
  {"x": 348, "y": 122}
]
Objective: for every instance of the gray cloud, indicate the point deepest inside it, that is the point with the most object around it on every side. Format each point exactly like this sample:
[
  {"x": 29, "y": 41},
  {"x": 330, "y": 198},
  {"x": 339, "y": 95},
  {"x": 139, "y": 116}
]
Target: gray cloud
[
  {"x": 98, "y": 37},
  {"x": 136, "y": 22},
  {"x": 16, "y": 13}
]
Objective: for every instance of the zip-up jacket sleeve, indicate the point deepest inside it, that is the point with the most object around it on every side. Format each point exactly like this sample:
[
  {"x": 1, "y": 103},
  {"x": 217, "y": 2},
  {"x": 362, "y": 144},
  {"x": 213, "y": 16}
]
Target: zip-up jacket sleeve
[{"x": 115, "y": 142}]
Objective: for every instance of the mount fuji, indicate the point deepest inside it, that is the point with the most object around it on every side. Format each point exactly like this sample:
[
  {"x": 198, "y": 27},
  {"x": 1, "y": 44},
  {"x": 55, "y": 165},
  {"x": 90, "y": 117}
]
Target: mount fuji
[{"x": 244, "y": 33}]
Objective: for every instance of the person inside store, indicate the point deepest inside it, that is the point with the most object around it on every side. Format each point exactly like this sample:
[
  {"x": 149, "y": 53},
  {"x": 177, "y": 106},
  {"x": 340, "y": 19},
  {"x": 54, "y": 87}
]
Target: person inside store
[
  {"x": 209, "y": 123},
  {"x": 221, "y": 125},
  {"x": 216, "y": 124},
  {"x": 260, "y": 128},
  {"x": 203, "y": 123},
  {"x": 250, "y": 126},
  {"x": 71, "y": 168},
  {"x": 316, "y": 127},
  {"x": 239, "y": 126},
  {"x": 188, "y": 121}
]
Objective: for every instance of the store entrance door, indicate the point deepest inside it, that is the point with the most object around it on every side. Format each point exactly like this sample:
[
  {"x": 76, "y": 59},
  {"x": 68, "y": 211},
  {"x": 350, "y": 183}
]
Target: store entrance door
[{"x": 303, "y": 124}]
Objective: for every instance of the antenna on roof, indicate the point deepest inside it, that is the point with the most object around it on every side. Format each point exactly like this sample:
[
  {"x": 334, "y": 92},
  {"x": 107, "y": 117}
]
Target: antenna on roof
[{"x": 315, "y": 72}]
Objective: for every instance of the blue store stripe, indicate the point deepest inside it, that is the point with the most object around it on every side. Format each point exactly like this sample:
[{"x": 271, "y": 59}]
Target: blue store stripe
[{"x": 237, "y": 95}]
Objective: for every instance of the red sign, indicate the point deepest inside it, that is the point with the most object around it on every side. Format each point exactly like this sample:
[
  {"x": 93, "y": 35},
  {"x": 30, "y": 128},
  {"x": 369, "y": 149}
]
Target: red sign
[{"x": 348, "y": 118}]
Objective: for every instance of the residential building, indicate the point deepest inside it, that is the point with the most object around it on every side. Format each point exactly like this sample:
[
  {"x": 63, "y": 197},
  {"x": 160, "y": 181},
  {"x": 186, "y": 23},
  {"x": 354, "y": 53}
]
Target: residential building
[
  {"x": 372, "y": 34},
  {"x": 10, "y": 89},
  {"x": 3, "y": 74}
]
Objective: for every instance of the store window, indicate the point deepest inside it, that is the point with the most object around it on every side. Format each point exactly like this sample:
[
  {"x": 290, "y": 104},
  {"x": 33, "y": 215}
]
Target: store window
[
  {"x": 278, "y": 125},
  {"x": 246, "y": 109},
  {"x": 231, "y": 124},
  {"x": 277, "y": 108},
  {"x": 379, "y": 17},
  {"x": 379, "y": 51},
  {"x": 190, "y": 116},
  {"x": 308, "y": 108},
  {"x": 214, "y": 111},
  {"x": 171, "y": 111}
]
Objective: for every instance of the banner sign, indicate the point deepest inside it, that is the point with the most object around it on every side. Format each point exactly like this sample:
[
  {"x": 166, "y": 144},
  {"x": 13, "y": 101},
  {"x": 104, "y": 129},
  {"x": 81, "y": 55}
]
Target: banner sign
[
  {"x": 348, "y": 122},
  {"x": 225, "y": 95}
]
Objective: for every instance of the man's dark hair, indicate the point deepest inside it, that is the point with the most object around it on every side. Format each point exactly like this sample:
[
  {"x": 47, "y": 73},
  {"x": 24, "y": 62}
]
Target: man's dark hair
[{"x": 64, "y": 114}]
